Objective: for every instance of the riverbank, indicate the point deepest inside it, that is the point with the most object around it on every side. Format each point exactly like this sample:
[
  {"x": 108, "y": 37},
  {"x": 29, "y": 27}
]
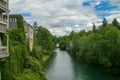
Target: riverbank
[
  {"x": 21, "y": 64},
  {"x": 99, "y": 47},
  {"x": 46, "y": 57},
  {"x": 61, "y": 66}
]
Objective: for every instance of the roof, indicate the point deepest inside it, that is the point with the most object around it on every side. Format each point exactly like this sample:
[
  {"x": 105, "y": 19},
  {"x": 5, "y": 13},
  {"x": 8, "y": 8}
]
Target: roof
[
  {"x": 28, "y": 24},
  {"x": 14, "y": 15}
]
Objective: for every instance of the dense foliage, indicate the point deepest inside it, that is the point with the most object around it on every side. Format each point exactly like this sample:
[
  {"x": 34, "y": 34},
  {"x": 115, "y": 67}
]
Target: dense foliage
[
  {"x": 63, "y": 42},
  {"x": 45, "y": 39},
  {"x": 21, "y": 64},
  {"x": 45, "y": 42},
  {"x": 20, "y": 22},
  {"x": 100, "y": 46}
]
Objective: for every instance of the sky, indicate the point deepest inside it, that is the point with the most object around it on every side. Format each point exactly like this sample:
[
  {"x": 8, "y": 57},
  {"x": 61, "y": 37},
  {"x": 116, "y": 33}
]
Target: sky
[{"x": 61, "y": 17}]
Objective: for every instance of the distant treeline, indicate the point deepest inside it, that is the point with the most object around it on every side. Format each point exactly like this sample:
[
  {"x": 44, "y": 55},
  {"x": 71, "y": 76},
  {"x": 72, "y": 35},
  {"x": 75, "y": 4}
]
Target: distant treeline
[{"x": 101, "y": 46}]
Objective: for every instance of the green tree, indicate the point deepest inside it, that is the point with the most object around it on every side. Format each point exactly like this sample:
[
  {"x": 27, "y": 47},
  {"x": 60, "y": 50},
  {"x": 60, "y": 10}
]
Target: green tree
[
  {"x": 94, "y": 28},
  {"x": 101, "y": 47},
  {"x": 20, "y": 22},
  {"x": 45, "y": 38},
  {"x": 104, "y": 22},
  {"x": 35, "y": 25},
  {"x": 115, "y": 23}
]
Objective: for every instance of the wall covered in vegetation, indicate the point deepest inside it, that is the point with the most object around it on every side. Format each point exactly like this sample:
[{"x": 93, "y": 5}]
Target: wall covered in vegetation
[{"x": 21, "y": 64}]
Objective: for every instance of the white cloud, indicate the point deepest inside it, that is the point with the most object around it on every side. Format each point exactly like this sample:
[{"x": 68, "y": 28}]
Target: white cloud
[
  {"x": 60, "y": 31},
  {"x": 57, "y": 14},
  {"x": 115, "y": 2},
  {"x": 112, "y": 16},
  {"x": 98, "y": 3}
]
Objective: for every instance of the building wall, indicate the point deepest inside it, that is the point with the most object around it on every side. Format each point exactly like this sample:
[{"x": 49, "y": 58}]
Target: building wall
[
  {"x": 29, "y": 35},
  {"x": 28, "y": 29},
  {"x": 4, "y": 25},
  {"x": 13, "y": 23},
  {"x": 0, "y": 41},
  {"x": 31, "y": 31},
  {"x": 12, "y": 20},
  {"x": 31, "y": 40},
  {"x": 31, "y": 44}
]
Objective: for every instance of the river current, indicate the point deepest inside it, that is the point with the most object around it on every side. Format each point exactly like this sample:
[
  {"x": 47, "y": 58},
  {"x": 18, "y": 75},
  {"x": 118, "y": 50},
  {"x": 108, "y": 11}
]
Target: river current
[{"x": 60, "y": 66}]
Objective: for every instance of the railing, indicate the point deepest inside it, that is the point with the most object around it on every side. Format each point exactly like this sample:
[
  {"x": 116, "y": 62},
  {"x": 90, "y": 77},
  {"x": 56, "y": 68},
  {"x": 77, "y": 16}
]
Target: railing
[
  {"x": 3, "y": 52},
  {"x": 3, "y": 4},
  {"x": 3, "y": 28}
]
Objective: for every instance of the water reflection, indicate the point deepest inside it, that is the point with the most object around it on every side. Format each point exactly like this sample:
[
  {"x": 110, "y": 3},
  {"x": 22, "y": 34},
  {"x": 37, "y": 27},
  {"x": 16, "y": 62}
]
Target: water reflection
[
  {"x": 59, "y": 65},
  {"x": 84, "y": 71},
  {"x": 62, "y": 67}
]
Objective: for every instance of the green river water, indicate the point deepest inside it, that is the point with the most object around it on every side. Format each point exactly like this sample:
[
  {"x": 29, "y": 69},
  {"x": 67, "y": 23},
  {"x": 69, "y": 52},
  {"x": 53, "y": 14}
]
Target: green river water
[{"x": 61, "y": 66}]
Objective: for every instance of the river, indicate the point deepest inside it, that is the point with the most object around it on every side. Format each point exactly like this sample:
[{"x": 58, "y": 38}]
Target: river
[{"x": 61, "y": 66}]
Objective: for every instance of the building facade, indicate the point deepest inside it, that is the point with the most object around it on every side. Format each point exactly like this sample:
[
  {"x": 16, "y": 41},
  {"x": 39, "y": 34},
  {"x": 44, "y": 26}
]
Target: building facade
[
  {"x": 13, "y": 20},
  {"x": 4, "y": 25},
  {"x": 29, "y": 32},
  {"x": 28, "y": 29}
]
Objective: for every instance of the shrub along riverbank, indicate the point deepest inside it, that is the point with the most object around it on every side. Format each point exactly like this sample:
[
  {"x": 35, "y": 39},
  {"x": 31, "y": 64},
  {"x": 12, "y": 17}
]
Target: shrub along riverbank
[
  {"x": 25, "y": 65},
  {"x": 45, "y": 42},
  {"x": 100, "y": 46}
]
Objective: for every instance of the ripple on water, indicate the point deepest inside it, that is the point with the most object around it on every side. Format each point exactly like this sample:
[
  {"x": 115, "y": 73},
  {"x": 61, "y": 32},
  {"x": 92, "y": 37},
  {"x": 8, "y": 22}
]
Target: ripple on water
[{"x": 62, "y": 67}]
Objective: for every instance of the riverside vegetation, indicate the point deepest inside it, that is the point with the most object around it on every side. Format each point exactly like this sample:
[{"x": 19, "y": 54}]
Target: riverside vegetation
[
  {"x": 22, "y": 64},
  {"x": 101, "y": 46}
]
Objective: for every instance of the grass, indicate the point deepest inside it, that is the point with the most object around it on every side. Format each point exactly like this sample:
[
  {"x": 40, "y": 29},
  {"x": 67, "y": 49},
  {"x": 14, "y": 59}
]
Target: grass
[{"x": 45, "y": 58}]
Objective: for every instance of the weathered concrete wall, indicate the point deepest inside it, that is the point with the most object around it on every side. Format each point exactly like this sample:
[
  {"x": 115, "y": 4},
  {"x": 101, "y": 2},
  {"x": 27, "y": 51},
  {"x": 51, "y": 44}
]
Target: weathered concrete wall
[
  {"x": 13, "y": 25},
  {"x": 0, "y": 41},
  {"x": 31, "y": 44}
]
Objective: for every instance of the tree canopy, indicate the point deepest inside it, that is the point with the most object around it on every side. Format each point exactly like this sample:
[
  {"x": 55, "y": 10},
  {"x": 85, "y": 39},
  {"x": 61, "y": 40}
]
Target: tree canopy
[{"x": 101, "y": 47}]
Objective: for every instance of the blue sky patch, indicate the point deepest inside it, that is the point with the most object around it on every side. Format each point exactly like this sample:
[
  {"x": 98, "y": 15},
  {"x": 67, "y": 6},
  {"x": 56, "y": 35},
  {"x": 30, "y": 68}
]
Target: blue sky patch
[
  {"x": 87, "y": 3},
  {"x": 26, "y": 14},
  {"x": 104, "y": 5},
  {"x": 103, "y": 15}
]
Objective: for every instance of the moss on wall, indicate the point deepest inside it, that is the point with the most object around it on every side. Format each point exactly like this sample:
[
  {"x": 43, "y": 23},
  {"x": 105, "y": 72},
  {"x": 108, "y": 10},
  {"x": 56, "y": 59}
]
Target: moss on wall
[{"x": 21, "y": 65}]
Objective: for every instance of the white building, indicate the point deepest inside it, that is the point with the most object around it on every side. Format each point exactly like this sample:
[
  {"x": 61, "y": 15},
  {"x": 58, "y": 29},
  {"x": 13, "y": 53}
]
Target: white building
[{"x": 4, "y": 25}]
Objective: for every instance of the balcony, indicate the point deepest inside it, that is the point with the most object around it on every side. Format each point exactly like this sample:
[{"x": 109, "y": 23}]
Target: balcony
[
  {"x": 3, "y": 6},
  {"x": 3, "y": 28},
  {"x": 3, "y": 52}
]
